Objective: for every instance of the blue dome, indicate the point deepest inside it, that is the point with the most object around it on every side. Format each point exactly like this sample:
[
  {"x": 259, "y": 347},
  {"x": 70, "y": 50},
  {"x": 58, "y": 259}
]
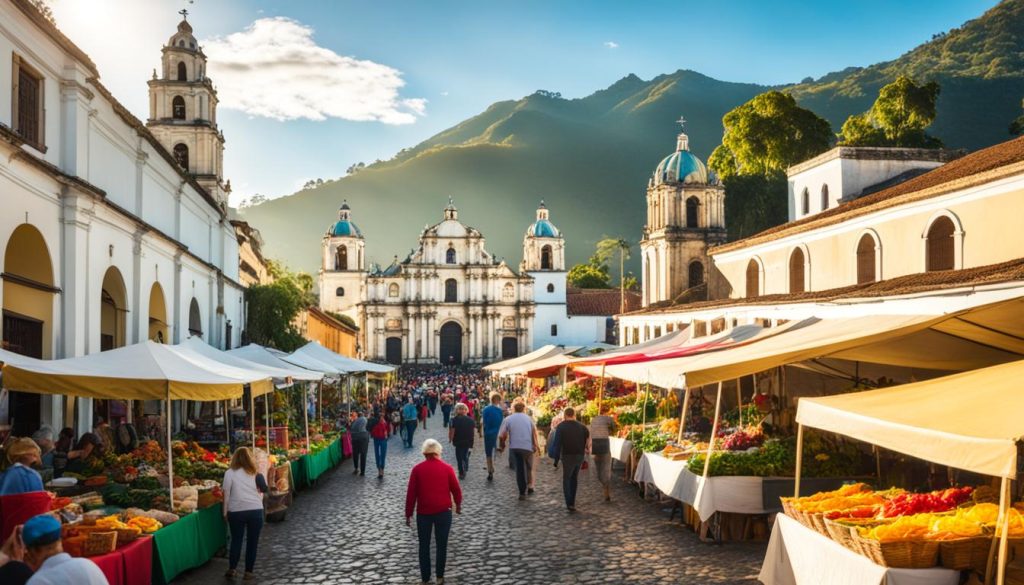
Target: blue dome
[
  {"x": 543, "y": 228},
  {"x": 345, "y": 227},
  {"x": 681, "y": 166}
]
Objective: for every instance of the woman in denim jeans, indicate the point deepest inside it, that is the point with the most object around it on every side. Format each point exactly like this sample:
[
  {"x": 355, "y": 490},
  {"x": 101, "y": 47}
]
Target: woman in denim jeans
[{"x": 243, "y": 509}]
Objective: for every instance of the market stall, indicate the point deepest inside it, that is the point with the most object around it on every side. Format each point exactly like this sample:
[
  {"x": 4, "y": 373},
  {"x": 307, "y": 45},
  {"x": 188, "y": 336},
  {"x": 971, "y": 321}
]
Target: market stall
[{"x": 947, "y": 425}]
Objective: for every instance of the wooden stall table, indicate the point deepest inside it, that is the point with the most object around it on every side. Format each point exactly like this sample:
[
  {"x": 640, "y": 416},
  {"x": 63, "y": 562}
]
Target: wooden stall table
[{"x": 797, "y": 554}]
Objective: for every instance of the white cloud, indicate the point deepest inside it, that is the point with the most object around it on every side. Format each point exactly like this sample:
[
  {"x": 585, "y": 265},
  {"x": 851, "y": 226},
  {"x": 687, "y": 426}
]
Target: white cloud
[
  {"x": 611, "y": 45},
  {"x": 444, "y": 93},
  {"x": 275, "y": 69}
]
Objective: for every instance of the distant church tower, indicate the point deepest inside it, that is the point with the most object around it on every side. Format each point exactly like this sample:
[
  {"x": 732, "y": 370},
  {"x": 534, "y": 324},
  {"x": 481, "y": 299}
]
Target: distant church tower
[
  {"x": 685, "y": 217},
  {"x": 183, "y": 112},
  {"x": 544, "y": 262},
  {"x": 342, "y": 268}
]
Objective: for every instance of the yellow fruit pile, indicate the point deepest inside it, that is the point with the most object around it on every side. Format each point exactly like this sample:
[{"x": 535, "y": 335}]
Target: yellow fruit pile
[
  {"x": 146, "y": 525},
  {"x": 914, "y": 527},
  {"x": 669, "y": 426},
  {"x": 112, "y": 522},
  {"x": 839, "y": 503}
]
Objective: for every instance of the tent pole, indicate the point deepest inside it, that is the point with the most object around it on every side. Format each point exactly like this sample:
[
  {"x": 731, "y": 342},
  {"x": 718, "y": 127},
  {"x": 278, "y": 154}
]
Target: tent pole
[
  {"x": 320, "y": 399},
  {"x": 305, "y": 413},
  {"x": 266, "y": 409},
  {"x": 252, "y": 417},
  {"x": 349, "y": 397},
  {"x": 600, "y": 390},
  {"x": 799, "y": 458},
  {"x": 227, "y": 426},
  {"x": 170, "y": 452},
  {"x": 711, "y": 448},
  {"x": 739, "y": 401},
  {"x": 643, "y": 416},
  {"x": 682, "y": 413}
]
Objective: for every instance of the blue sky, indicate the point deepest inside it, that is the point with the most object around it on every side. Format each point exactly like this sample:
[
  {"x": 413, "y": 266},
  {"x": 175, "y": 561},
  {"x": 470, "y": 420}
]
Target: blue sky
[{"x": 376, "y": 76}]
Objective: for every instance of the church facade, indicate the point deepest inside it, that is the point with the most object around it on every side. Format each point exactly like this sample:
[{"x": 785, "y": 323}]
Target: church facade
[{"x": 450, "y": 301}]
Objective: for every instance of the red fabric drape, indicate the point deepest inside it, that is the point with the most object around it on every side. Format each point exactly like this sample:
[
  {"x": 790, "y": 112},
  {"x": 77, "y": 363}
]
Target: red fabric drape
[{"x": 16, "y": 509}]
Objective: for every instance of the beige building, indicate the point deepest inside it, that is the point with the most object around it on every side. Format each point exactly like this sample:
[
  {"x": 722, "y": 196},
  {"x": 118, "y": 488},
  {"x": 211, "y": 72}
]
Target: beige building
[
  {"x": 252, "y": 266},
  {"x": 917, "y": 244}
]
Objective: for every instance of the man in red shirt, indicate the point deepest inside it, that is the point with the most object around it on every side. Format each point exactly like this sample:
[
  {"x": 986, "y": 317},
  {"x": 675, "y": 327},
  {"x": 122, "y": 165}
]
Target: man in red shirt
[{"x": 432, "y": 488}]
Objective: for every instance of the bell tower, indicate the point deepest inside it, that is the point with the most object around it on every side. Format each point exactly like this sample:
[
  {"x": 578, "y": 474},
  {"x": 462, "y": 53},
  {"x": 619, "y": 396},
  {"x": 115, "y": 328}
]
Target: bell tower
[{"x": 183, "y": 111}]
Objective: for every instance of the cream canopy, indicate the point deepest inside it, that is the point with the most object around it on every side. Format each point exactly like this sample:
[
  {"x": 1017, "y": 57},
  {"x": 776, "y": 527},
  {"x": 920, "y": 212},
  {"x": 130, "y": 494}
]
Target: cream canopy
[
  {"x": 351, "y": 365},
  {"x": 10, "y": 358},
  {"x": 969, "y": 421},
  {"x": 143, "y": 371},
  {"x": 259, "y": 354},
  {"x": 557, "y": 360},
  {"x": 541, "y": 352},
  {"x": 310, "y": 363},
  {"x": 970, "y": 339},
  {"x": 281, "y": 376}
]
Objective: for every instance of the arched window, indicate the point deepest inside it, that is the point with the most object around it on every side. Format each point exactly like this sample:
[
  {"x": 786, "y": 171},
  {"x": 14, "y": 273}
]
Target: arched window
[
  {"x": 508, "y": 293},
  {"x": 451, "y": 291},
  {"x": 796, "y": 271},
  {"x": 341, "y": 258},
  {"x": 692, "y": 208},
  {"x": 696, "y": 274},
  {"x": 195, "y": 320},
  {"x": 805, "y": 202},
  {"x": 393, "y": 290},
  {"x": 753, "y": 279},
  {"x": 545, "y": 258},
  {"x": 182, "y": 71},
  {"x": 339, "y": 292},
  {"x": 941, "y": 246},
  {"x": 551, "y": 288},
  {"x": 181, "y": 43},
  {"x": 554, "y": 330},
  {"x": 181, "y": 155},
  {"x": 178, "y": 108},
  {"x": 866, "y": 259},
  {"x": 824, "y": 197},
  {"x": 449, "y": 256}
]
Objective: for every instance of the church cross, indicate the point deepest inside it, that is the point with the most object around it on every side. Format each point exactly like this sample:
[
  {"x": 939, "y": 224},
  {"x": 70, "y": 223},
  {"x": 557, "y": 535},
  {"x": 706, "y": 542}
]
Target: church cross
[
  {"x": 681, "y": 121},
  {"x": 184, "y": 14}
]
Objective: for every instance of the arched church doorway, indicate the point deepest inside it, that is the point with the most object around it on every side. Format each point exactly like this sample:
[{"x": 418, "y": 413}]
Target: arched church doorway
[
  {"x": 451, "y": 343},
  {"x": 509, "y": 348},
  {"x": 393, "y": 350}
]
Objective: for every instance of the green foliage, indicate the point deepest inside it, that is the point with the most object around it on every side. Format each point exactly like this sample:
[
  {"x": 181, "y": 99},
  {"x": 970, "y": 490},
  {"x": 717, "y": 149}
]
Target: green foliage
[
  {"x": 651, "y": 440},
  {"x": 898, "y": 117},
  {"x": 767, "y": 135},
  {"x": 823, "y": 457},
  {"x": 343, "y": 318},
  {"x": 1017, "y": 126},
  {"x": 272, "y": 310},
  {"x": 589, "y": 276},
  {"x": 754, "y": 203}
]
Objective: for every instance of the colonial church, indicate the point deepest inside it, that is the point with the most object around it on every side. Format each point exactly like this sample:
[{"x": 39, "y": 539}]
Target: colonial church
[
  {"x": 685, "y": 217},
  {"x": 451, "y": 301}
]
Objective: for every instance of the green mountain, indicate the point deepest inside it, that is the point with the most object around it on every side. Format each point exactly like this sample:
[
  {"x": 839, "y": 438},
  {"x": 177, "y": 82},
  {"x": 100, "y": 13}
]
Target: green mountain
[{"x": 589, "y": 158}]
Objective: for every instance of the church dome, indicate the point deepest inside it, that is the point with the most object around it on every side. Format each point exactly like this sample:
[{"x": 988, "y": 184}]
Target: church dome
[
  {"x": 682, "y": 166},
  {"x": 344, "y": 227},
  {"x": 542, "y": 228}
]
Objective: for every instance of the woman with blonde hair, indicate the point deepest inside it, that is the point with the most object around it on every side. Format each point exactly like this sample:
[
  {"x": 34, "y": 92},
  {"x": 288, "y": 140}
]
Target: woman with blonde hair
[
  {"x": 19, "y": 477},
  {"x": 243, "y": 509}
]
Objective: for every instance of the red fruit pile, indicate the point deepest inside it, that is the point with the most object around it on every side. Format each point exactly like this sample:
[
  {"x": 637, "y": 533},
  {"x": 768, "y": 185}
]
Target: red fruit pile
[{"x": 932, "y": 502}]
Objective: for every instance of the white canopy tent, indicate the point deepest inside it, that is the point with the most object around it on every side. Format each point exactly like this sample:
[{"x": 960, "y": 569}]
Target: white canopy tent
[
  {"x": 559, "y": 359},
  {"x": 259, "y": 354},
  {"x": 310, "y": 363},
  {"x": 540, "y": 352},
  {"x": 947, "y": 424},
  {"x": 351, "y": 365},
  {"x": 195, "y": 348}
]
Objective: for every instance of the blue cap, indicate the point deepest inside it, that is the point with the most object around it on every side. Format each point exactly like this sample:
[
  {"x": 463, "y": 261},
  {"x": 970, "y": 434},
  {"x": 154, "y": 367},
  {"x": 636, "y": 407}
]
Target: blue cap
[{"x": 41, "y": 530}]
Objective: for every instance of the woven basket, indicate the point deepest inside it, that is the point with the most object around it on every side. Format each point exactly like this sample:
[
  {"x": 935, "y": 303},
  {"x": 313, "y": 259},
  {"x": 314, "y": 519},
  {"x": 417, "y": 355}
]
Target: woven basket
[
  {"x": 100, "y": 543},
  {"x": 841, "y": 533},
  {"x": 907, "y": 554},
  {"x": 816, "y": 520},
  {"x": 126, "y": 535},
  {"x": 964, "y": 553},
  {"x": 787, "y": 506}
]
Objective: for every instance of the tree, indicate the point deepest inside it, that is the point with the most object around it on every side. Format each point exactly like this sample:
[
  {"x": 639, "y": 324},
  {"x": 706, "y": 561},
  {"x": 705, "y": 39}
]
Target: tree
[
  {"x": 353, "y": 169},
  {"x": 588, "y": 276},
  {"x": 898, "y": 117},
  {"x": 767, "y": 135},
  {"x": 605, "y": 248},
  {"x": 1017, "y": 126},
  {"x": 271, "y": 311}
]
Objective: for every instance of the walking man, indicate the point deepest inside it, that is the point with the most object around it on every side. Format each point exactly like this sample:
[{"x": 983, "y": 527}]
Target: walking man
[
  {"x": 410, "y": 420},
  {"x": 601, "y": 428},
  {"x": 521, "y": 435},
  {"x": 492, "y": 416},
  {"x": 460, "y": 433},
  {"x": 572, "y": 446},
  {"x": 360, "y": 443},
  {"x": 446, "y": 407},
  {"x": 432, "y": 488}
]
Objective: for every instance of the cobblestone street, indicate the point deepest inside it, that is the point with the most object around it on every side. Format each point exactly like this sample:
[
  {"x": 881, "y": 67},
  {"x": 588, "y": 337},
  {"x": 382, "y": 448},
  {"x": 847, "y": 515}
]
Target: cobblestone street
[{"x": 350, "y": 529}]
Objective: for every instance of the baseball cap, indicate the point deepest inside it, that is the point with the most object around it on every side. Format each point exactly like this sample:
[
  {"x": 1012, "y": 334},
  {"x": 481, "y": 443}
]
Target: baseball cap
[{"x": 41, "y": 530}]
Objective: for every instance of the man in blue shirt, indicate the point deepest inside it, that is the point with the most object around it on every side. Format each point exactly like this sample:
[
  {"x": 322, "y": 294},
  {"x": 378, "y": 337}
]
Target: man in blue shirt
[
  {"x": 492, "y": 417},
  {"x": 410, "y": 420}
]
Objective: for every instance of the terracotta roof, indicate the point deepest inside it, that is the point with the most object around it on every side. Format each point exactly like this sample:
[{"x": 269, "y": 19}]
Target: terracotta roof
[
  {"x": 1010, "y": 271},
  {"x": 976, "y": 168},
  {"x": 599, "y": 301}
]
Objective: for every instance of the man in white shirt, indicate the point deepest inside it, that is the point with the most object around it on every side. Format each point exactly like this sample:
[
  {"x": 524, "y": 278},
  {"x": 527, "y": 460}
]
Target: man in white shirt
[
  {"x": 521, "y": 434},
  {"x": 51, "y": 564}
]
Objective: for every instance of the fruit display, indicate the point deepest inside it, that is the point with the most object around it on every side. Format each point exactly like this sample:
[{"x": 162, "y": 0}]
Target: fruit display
[
  {"x": 744, "y": 438},
  {"x": 145, "y": 524},
  {"x": 908, "y": 504}
]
